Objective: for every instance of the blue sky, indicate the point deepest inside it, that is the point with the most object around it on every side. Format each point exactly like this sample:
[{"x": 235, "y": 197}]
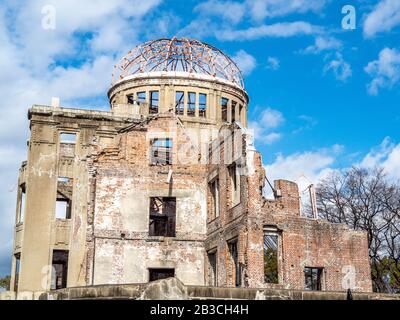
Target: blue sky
[{"x": 321, "y": 97}]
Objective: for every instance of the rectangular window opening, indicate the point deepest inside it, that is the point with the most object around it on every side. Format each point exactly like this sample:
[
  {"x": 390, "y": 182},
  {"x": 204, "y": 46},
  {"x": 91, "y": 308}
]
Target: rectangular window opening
[
  {"x": 154, "y": 99},
  {"x": 59, "y": 269},
  {"x": 162, "y": 217},
  {"x": 130, "y": 99},
  {"x": 161, "y": 151},
  {"x": 224, "y": 109},
  {"x": 179, "y": 103},
  {"x": 159, "y": 274},
  {"x": 202, "y": 104},
  {"x": 64, "y": 198},
  {"x": 68, "y": 137},
  {"x": 214, "y": 191},
  {"x": 141, "y": 97},
  {"x": 313, "y": 278},
  {"x": 233, "y": 111},
  {"x": 191, "y": 111},
  {"x": 233, "y": 249},
  {"x": 212, "y": 259},
  {"x": 235, "y": 184},
  {"x": 17, "y": 267},
  {"x": 271, "y": 257},
  {"x": 21, "y": 210}
]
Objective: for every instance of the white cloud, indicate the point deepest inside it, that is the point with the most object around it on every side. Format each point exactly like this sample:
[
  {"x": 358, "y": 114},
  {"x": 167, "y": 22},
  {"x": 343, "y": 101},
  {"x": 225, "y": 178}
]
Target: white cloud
[
  {"x": 385, "y": 71},
  {"x": 270, "y": 119},
  {"x": 273, "y": 63},
  {"x": 245, "y": 61},
  {"x": 313, "y": 166},
  {"x": 323, "y": 43},
  {"x": 282, "y": 30},
  {"x": 260, "y": 9},
  {"x": 272, "y": 137},
  {"x": 387, "y": 156},
  {"x": 340, "y": 68},
  {"x": 227, "y": 10},
  {"x": 384, "y": 17},
  {"x": 304, "y": 168}
]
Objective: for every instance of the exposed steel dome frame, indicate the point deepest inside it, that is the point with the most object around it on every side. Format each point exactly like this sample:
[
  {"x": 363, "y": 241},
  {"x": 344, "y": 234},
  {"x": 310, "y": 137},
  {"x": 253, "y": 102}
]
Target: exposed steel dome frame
[{"x": 185, "y": 55}]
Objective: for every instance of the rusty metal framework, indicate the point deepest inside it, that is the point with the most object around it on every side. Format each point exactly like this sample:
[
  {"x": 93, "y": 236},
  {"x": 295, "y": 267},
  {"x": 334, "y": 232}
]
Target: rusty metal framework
[{"x": 186, "y": 55}]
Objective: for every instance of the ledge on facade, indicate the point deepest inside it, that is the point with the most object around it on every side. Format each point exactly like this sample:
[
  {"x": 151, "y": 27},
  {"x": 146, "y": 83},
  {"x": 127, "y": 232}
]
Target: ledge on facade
[{"x": 43, "y": 110}]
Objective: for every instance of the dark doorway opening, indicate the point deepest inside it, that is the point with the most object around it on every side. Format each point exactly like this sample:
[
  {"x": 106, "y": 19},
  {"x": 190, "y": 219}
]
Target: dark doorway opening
[
  {"x": 233, "y": 249},
  {"x": 59, "y": 270},
  {"x": 212, "y": 258},
  {"x": 159, "y": 274}
]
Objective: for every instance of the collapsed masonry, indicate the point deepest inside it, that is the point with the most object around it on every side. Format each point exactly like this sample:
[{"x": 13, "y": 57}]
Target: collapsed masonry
[{"x": 168, "y": 184}]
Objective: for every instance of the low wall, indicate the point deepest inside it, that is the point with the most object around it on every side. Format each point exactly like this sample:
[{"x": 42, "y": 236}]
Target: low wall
[{"x": 173, "y": 289}]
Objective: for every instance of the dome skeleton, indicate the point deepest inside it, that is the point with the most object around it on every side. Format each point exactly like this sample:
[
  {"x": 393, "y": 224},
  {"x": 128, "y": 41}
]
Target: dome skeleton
[{"x": 185, "y": 55}]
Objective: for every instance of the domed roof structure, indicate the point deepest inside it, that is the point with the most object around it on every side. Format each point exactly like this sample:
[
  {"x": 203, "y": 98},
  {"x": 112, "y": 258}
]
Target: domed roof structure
[{"x": 183, "y": 55}]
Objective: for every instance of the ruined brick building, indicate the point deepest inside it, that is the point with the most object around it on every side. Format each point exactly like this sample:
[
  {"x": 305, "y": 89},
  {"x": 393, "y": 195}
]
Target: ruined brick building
[{"x": 168, "y": 183}]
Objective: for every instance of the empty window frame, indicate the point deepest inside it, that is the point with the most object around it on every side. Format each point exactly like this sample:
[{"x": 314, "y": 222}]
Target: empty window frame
[
  {"x": 271, "y": 247},
  {"x": 162, "y": 217},
  {"x": 161, "y": 151},
  {"x": 224, "y": 109},
  {"x": 67, "y": 144},
  {"x": 202, "y": 105},
  {"x": 141, "y": 97},
  {"x": 159, "y": 274},
  {"x": 241, "y": 113},
  {"x": 212, "y": 272},
  {"x": 233, "y": 111},
  {"x": 313, "y": 278},
  {"x": 214, "y": 192},
  {"x": 66, "y": 137},
  {"x": 235, "y": 184},
  {"x": 179, "y": 103},
  {"x": 233, "y": 250},
  {"x": 64, "y": 198},
  {"x": 22, "y": 200},
  {"x": 154, "y": 99},
  {"x": 191, "y": 111},
  {"x": 59, "y": 269},
  {"x": 130, "y": 99},
  {"x": 17, "y": 258}
]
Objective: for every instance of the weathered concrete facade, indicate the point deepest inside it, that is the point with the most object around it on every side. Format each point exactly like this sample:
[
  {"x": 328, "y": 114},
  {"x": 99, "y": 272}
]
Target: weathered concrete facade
[{"x": 167, "y": 183}]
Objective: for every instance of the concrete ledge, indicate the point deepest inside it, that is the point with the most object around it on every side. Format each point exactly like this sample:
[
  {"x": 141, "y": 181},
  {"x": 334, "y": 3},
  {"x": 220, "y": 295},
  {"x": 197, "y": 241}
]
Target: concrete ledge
[{"x": 173, "y": 289}]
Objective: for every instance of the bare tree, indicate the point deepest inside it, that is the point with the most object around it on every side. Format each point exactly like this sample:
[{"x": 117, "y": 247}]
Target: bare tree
[{"x": 367, "y": 200}]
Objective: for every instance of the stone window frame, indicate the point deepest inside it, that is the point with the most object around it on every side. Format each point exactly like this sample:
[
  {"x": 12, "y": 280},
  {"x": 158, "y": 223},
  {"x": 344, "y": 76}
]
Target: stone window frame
[
  {"x": 237, "y": 280},
  {"x": 154, "y": 105},
  {"x": 21, "y": 203},
  {"x": 180, "y": 104},
  {"x": 216, "y": 205},
  {"x": 320, "y": 276},
  {"x": 203, "y": 106},
  {"x": 69, "y": 205},
  {"x": 62, "y": 132},
  {"x": 213, "y": 251},
  {"x": 169, "y": 232},
  {"x": 234, "y": 184},
  {"x": 224, "y": 103},
  {"x": 275, "y": 231},
  {"x": 191, "y": 104}
]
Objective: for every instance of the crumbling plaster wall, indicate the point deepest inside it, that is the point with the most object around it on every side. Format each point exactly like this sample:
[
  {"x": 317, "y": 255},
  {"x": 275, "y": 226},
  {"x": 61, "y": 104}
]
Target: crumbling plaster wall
[{"x": 124, "y": 181}]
